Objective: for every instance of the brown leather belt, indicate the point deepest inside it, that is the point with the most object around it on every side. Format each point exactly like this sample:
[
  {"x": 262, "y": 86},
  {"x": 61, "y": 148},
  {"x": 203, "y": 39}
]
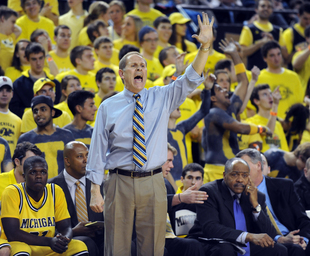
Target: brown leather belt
[{"x": 136, "y": 174}]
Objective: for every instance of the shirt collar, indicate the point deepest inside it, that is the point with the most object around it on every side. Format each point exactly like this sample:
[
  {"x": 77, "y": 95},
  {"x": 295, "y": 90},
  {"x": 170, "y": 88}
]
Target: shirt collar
[
  {"x": 71, "y": 180},
  {"x": 129, "y": 95}
]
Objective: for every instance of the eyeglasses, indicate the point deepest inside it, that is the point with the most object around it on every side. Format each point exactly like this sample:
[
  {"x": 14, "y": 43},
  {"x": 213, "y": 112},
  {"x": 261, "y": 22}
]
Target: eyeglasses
[{"x": 149, "y": 40}]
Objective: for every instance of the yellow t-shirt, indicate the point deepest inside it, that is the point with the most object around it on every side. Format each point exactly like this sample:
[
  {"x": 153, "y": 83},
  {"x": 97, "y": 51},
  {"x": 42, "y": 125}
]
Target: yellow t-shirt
[
  {"x": 63, "y": 106},
  {"x": 63, "y": 64},
  {"x": 88, "y": 82},
  {"x": 99, "y": 65},
  {"x": 83, "y": 38},
  {"x": 213, "y": 58},
  {"x": 304, "y": 73},
  {"x": 187, "y": 109},
  {"x": 191, "y": 47},
  {"x": 29, "y": 124},
  {"x": 10, "y": 128},
  {"x": 28, "y": 26},
  {"x": 15, "y": 5},
  {"x": 119, "y": 43},
  {"x": 33, "y": 216},
  {"x": 154, "y": 69},
  {"x": 278, "y": 139},
  {"x": 288, "y": 36},
  {"x": 75, "y": 24},
  {"x": 114, "y": 59},
  {"x": 6, "y": 179},
  {"x": 246, "y": 37},
  {"x": 290, "y": 88},
  {"x": 7, "y": 45},
  {"x": 147, "y": 17},
  {"x": 13, "y": 73}
]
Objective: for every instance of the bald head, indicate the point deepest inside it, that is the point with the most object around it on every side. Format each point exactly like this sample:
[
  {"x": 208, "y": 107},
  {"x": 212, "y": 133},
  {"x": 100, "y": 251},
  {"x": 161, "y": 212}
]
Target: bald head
[{"x": 75, "y": 158}]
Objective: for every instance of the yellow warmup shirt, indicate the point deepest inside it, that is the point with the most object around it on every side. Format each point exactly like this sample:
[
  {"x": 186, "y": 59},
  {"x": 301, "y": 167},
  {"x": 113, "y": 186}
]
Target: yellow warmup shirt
[
  {"x": 29, "y": 124},
  {"x": 119, "y": 43},
  {"x": 10, "y": 129},
  {"x": 13, "y": 73},
  {"x": 63, "y": 64},
  {"x": 63, "y": 106},
  {"x": 191, "y": 47},
  {"x": 6, "y": 179},
  {"x": 304, "y": 73},
  {"x": 187, "y": 109},
  {"x": 83, "y": 38},
  {"x": 213, "y": 58},
  {"x": 7, "y": 45},
  {"x": 278, "y": 139},
  {"x": 28, "y": 26},
  {"x": 246, "y": 37},
  {"x": 154, "y": 69},
  {"x": 290, "y": 88},
  {"x": 288, "y": 36},
  {"x": 39, "y": 217},
  {"x": 75, "y": 23},
  {"x": 15, "y": 5},
  {"x": 147, "y": 17},
  {"x": 88, "y": 82}
]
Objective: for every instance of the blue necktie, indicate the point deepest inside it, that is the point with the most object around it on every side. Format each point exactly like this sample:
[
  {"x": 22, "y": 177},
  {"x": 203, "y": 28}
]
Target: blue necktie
[
  {"x": 240, "y": 222},
  {"x": 139, "y": 149}
]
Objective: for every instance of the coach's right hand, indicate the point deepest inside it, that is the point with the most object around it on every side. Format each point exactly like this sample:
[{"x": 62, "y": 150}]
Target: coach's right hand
[{"x": 96, "y": 200}]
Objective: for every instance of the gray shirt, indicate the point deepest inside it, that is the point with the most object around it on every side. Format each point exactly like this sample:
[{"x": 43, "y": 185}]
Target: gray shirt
[{"x": 112, "y": 139}]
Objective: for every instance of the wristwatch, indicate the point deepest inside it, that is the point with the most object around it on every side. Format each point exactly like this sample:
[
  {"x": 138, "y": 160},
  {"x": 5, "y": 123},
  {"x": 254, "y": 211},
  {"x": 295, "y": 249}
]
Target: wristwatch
[{"x": 257, "y": 209}]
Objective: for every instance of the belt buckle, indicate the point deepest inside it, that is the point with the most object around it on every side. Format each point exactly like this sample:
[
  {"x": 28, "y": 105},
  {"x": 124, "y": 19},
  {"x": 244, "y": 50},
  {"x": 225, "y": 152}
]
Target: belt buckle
[{"x": 131, "y": 175}]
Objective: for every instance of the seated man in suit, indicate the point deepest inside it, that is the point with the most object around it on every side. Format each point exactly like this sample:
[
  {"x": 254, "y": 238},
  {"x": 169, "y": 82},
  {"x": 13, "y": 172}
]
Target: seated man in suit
[
  {"x": 75, "y": 158},
  {"x": 235, "y": 212},
  {"x": 284, "y": 205}
]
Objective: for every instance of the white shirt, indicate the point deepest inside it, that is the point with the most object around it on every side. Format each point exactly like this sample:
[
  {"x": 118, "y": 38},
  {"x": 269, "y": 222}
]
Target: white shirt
[{"x": 71, "y": 184}]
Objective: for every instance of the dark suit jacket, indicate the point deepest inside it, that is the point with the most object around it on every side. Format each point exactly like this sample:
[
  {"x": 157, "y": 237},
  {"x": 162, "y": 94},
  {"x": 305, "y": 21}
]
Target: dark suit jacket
[
  {"x": 92, "y": 216},
  {"x": 215, "y": 218},
  {"x": 286, "y": 205}
]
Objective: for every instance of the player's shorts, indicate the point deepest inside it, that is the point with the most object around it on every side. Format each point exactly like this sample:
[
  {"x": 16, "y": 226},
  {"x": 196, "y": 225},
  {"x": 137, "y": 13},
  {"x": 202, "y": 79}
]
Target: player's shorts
[
  {"x": 213, "y": 172},
  {"x": 75, "y": 248}
]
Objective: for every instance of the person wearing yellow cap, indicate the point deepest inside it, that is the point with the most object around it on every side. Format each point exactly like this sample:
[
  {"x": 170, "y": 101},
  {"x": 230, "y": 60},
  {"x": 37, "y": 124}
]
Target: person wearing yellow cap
[
  {"x": 179, "y": 22},
  {"x": 147, "y": 14},
  {"x": 43, "y": 87}
]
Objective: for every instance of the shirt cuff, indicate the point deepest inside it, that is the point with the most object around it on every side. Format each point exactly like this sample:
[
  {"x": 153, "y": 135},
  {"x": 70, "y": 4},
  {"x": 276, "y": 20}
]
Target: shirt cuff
[
  {"x": 255, "y": 215},
  {"x": 241, "y": 238},
  {"x": 95, "y": 177},
  {"x": 276, "y": 238}
]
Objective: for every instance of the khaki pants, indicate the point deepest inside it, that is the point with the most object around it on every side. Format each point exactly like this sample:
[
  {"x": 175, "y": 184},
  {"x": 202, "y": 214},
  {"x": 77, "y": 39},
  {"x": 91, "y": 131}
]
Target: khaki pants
[{"x": 145, "y": 198}]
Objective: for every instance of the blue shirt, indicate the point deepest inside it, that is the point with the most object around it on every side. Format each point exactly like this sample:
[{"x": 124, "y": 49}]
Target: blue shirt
[{"x": 112, "y": 139}]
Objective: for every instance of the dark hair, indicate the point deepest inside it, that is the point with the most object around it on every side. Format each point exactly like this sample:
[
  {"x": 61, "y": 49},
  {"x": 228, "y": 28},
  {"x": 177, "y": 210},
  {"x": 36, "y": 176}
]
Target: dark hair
[
  {"x": 126, "y": 49},
  {"x": 94, "y": 27},
  {"x": 307, "y": 32},
  {"x": 305, "y": 7},
  {"x": 78, "y": 98},
  {"x": 257, "y": 3},
  {"x": 269, "y": 46},
  {"x": 36, "y": 33},
  {"x": 163, "y": 54},
  {"x": 253, "y": 154},
  {"x": 303, "y": 151},
  {"x": 221, "y": 71},
  {"x": 34, "y": 48},
  {"x": 194, "y": 167},
  {"x": 160, "y": 19},
  {"x": 16, "y": 60},
  {"x": 7, "y": 12},
  {"x": 255, "y": 94},
  {"x": 23, "y": 2},
  {"x": 77, "y": 53},
  {"x": 30, "y": 162},
  {"x": 173, "y": 38},
  {"x": 100, "y": 40},
  {"x": 21, "y": 150},
  {"x": 299, "y": 113},
  {"x": 66, "y": 79},
  {"x": 222, "y": 64},
  {"x": 101, "y": 72},
  {"x": 229, "y": 162},
  {"x": 95, "y": 10},
  {"x": 56, "y": 30},
  {"x": 109, "y": 95}
]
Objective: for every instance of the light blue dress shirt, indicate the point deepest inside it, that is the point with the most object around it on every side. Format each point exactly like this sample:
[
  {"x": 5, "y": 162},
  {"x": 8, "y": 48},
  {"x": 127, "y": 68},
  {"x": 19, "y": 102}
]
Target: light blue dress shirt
[{"x": 112, "y": 139}]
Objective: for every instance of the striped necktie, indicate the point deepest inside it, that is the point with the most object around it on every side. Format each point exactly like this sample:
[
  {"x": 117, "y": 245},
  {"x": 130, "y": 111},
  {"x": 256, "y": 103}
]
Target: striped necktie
[
  {"x": 80, "y": 203},
  {"x": 139, "y": 149}
]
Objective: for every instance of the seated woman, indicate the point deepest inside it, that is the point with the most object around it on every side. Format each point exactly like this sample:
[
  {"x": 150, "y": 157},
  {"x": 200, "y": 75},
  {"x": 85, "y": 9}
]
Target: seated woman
[
  {"x": 130, "y": 32},
  {"x": 19, "y": 62},
  {"x": 32, "y": 211}
]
